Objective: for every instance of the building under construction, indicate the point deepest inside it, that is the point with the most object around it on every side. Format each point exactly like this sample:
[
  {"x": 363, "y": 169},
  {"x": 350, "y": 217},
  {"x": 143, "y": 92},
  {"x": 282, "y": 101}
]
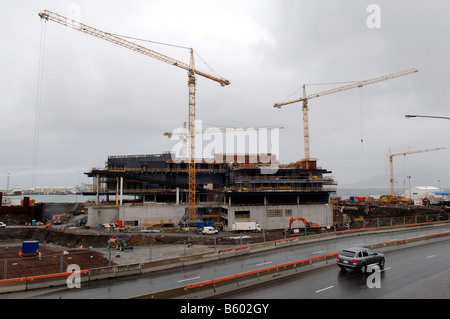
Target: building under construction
[
  {"x": 221, "y": 191},
  {"x": 151, "y": 190}
]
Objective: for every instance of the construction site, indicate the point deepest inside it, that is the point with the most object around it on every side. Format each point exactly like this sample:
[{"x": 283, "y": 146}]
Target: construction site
[
  {"x": 165, "y": 199},
  {"x": 226, "y": 193},
  {"x": 232, "y": 188}
]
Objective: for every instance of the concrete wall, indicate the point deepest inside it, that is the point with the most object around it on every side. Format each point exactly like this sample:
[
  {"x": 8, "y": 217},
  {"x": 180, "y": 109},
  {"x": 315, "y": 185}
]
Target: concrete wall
[
  {"x": 321, "y": 214},
  {"x": 269, "y": 217},
  {"x": 102, "y": 215},
  {"x": 141, "y": 214},
  {"x": 152, "y": 213}
]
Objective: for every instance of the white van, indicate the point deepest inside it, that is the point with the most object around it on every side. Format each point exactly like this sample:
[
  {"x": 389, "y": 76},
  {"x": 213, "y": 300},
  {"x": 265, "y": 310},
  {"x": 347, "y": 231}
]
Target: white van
[{"x": 209, "y": 230}]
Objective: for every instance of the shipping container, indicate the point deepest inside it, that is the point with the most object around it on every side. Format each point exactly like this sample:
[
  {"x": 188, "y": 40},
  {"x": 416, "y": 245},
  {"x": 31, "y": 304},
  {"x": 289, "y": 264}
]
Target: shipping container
[{"x": 30, "y": 246}]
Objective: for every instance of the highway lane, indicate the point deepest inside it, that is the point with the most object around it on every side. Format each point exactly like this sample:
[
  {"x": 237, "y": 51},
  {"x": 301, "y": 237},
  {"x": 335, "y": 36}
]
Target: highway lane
[
  {"x": 138, "y": 285},
  {"x": 414, "y": 272}
]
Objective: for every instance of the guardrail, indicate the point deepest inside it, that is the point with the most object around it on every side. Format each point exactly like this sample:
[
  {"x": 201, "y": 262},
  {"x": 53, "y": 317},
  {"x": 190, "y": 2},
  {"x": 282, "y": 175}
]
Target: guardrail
[
  {"x": 36, "y": 282},
  {"x": 60, "y": 279}
]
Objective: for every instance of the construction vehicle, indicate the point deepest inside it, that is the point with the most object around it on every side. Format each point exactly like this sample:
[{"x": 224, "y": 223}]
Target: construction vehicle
[
  {"x": 305, "y": 222},
  {"x": 245, "y": 226},
  {"x": 209, "y": 230},
  {"x": 192, "y": 71},
  {"x": 120, "y": 243},
  {"x": 305, "y": 99},
  {"x": 391, "y": 164}
]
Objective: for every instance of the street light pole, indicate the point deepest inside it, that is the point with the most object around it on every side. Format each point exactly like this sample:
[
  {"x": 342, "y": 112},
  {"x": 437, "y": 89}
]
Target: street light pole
[
  {"x": 409, "y": 185},
  {"x": 427, "y": 116}
]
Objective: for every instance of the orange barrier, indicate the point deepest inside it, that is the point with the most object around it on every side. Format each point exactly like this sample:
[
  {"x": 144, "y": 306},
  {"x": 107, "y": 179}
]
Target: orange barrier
[
  {"x": 234, "y": 248},
  {"x": 418, "y": 224},
  {"x": 27, "y": 283},
  {"x": 436, "y": 235},
  {"x": 395, "y": 242},
  {"x": 260, "y": 271}
]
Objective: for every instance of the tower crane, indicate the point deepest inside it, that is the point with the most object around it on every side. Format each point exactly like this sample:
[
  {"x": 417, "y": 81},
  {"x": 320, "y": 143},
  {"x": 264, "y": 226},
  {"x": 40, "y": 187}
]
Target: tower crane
[
  {"x": 192, "y": 71},
  {"x": 305, "y": 99},
  {"x": 391, "y": 163}
]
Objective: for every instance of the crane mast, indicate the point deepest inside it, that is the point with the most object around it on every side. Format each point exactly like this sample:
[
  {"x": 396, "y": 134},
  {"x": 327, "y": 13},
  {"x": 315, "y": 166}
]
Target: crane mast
[
  {"x": 305, "y": 99},
  {"x": 192, "y": 176},
  {"x": 391, "y": 163},
  {"x": 192, "y": 72}
]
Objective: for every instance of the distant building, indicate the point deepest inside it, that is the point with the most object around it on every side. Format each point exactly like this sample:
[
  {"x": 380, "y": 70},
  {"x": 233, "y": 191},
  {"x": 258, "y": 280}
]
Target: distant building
[{"x": 423, "y": 195}]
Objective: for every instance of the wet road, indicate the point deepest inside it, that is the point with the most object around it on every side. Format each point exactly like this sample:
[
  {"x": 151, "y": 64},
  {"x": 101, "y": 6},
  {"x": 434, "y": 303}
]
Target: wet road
[
  {"x": 139, "y": 285},
  {"x": 414, "y": 272}
]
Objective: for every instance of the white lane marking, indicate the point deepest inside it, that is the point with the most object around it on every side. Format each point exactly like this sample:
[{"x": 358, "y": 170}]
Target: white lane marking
[
  {"x": 193, "y": 278},
  {"x": 384, "y": 269},
  {"x": 359, "y": 244},
  {"x": 319, "y": 252},
  {"x": 265, "y": 263},
  {"x": 431, "y": 256},
  {"x": 324, "y": 289}
]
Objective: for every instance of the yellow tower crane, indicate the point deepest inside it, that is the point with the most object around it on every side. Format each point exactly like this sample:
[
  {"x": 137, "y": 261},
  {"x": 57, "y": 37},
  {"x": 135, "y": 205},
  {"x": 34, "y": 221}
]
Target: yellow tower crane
[
  {"x": 305, "y": 99},
  {"x": 48, "y": 15},
  {"x": 391, "y": 163}
]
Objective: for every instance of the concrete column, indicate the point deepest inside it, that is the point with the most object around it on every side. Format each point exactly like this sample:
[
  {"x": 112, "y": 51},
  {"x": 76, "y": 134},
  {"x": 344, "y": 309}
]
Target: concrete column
[
  {"x": 117, "y": 191},
  {"x": 97, "y": 185},
  {"x": 121, "y": 190},
  {"x": 177, "y": 201}
]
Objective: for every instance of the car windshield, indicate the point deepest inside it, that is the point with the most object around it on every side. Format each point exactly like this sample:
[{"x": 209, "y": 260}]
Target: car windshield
[
  {"x": 348, "y": 253},
  {"x": 371, "y": 252}
]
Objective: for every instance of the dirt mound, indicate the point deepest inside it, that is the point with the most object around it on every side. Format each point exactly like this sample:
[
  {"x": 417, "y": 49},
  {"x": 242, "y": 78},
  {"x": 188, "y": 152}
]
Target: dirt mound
[{"x": 56, "y": 237}]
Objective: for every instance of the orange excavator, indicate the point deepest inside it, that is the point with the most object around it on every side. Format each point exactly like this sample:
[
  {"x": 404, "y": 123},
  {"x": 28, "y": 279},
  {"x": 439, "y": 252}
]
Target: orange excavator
[{"x": 305, "y": 222}]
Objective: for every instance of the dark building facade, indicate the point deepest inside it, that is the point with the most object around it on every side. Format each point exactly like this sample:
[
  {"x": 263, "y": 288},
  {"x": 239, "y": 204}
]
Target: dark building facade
[{"x": 229, "y": 188}]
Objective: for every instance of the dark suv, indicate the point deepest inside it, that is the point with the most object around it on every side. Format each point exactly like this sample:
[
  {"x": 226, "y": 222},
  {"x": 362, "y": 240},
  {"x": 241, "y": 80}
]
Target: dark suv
[{"x": 358, "y": 258}]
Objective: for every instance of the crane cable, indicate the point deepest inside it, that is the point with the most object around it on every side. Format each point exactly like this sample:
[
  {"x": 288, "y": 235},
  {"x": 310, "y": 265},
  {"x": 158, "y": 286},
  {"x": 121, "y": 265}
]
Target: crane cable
[
  {"x": 361, "y": 114},
  {"x": 316, "y": 84},
  {"x": 169, "y": 45},
  {"x": 150, "y": 41},
  {"x": 38, "y": 105}
]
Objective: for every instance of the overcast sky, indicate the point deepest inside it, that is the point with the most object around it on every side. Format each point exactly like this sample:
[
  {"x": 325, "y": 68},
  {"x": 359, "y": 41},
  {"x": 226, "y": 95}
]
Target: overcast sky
[{"x": 98, "y": 99}]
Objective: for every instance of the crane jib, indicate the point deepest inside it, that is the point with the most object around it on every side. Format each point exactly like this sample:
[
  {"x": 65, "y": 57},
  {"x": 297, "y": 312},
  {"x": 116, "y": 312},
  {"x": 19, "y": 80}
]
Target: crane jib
[
  {"x": 47, "y": 15},
  {"x": 350, "y": 86}
]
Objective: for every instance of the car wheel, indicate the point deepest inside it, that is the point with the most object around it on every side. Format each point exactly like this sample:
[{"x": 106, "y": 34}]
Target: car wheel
[
  {"x": 381, "y": 264},
  {"x": 363, "y": 268}
]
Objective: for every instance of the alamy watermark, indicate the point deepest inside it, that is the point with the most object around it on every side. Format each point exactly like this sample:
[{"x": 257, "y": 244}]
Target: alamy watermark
[
  {"x": 374, "y": 19},
  {"x": 253, "y": 145},
  {"x": 374, "y": 279},
  {"x": 74, "y": 279}
]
